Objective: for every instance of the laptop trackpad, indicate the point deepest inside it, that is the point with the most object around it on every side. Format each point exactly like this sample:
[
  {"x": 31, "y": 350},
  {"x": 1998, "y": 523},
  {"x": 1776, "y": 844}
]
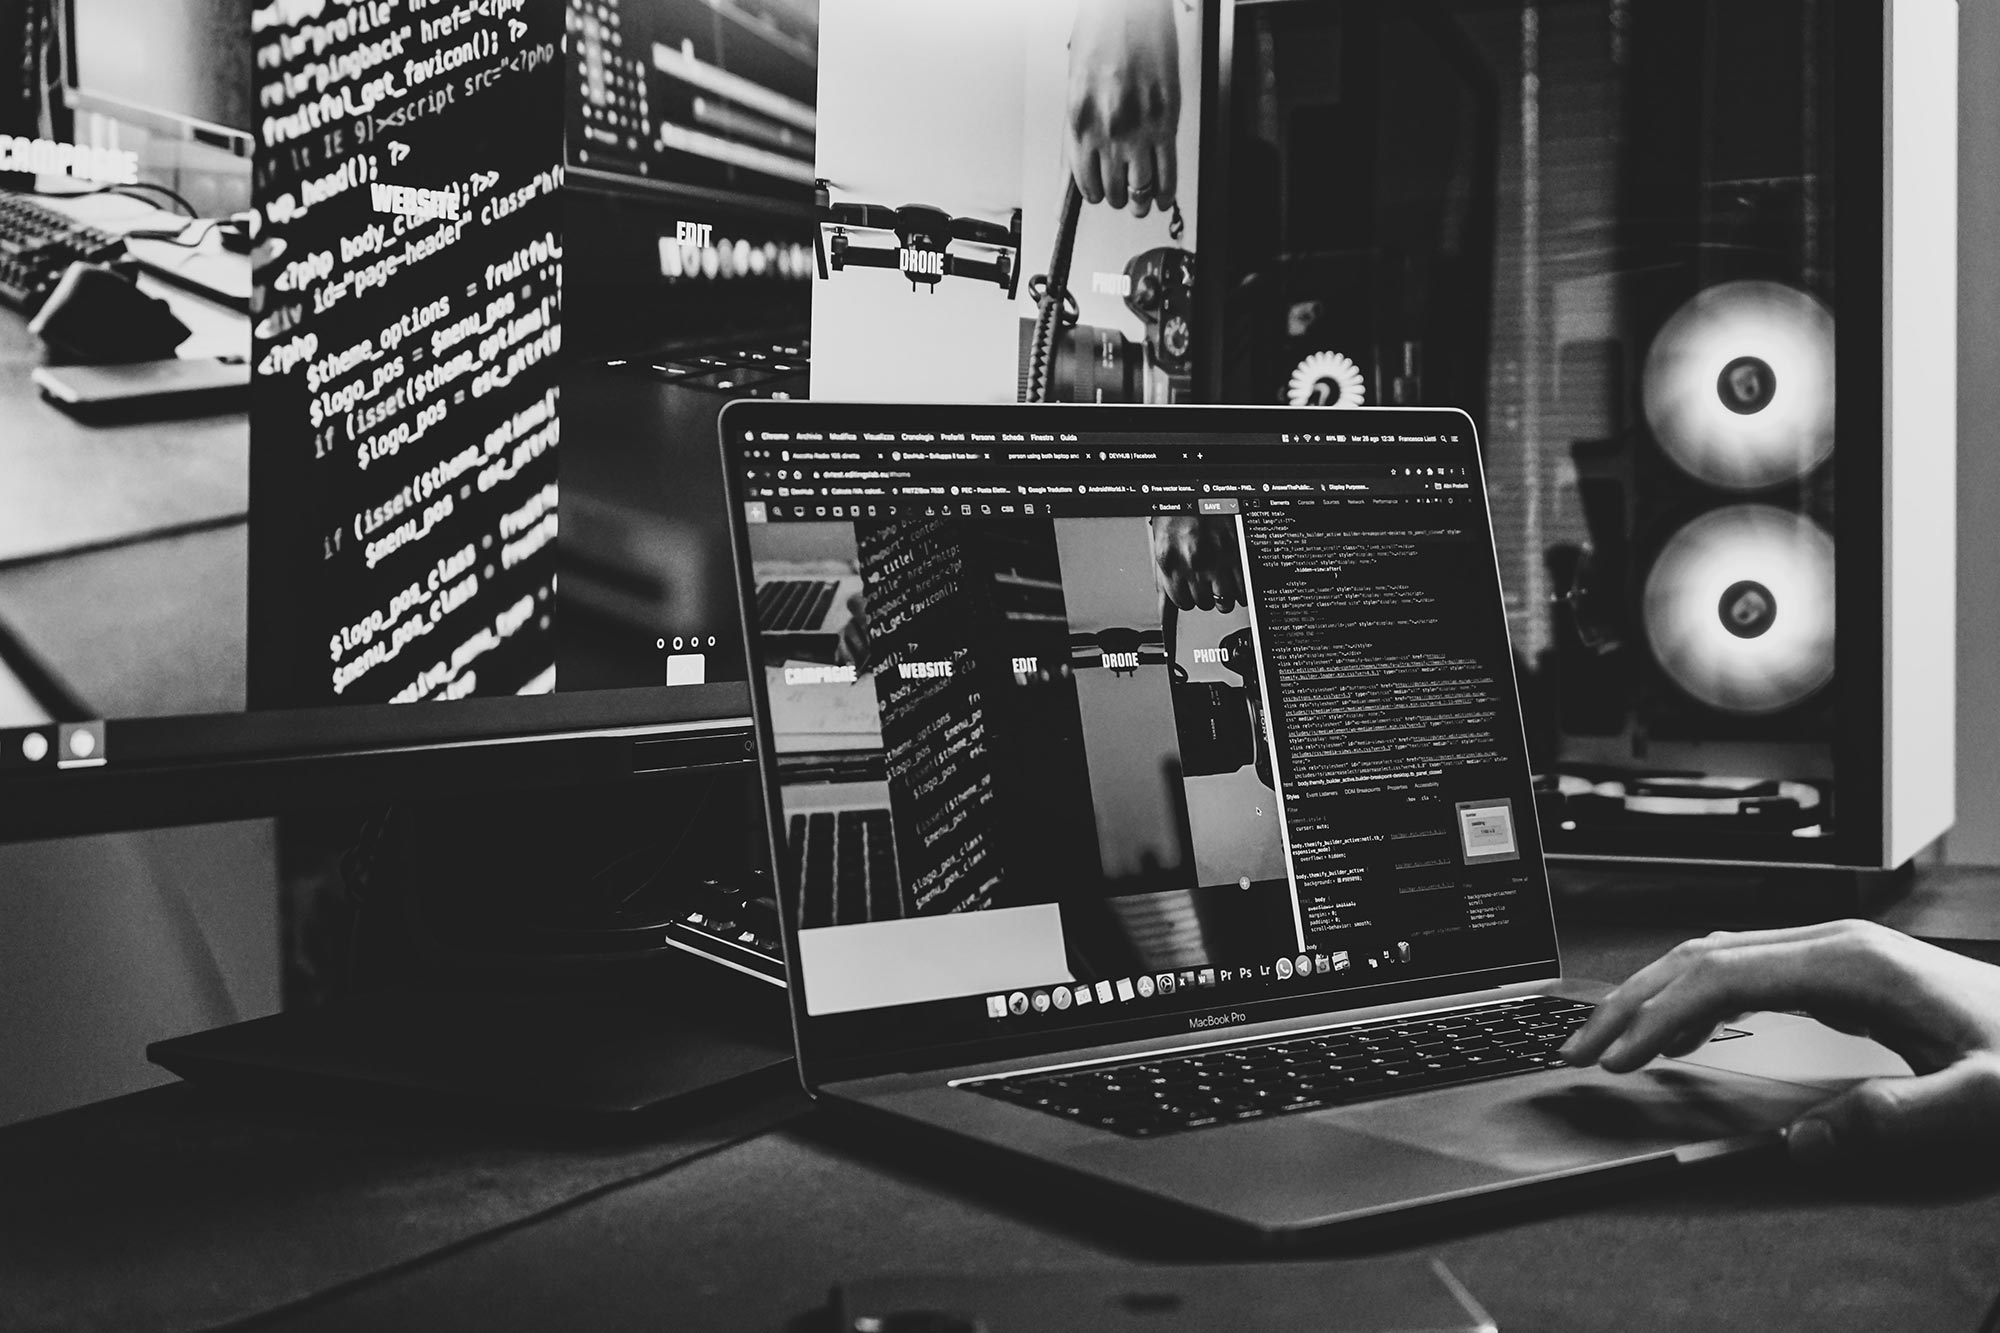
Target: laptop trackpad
[
  {"x": 1798, "y": 1050},
  {"x": 1564, "y": 1119},
  {"x": 1290, "y": 1171}
]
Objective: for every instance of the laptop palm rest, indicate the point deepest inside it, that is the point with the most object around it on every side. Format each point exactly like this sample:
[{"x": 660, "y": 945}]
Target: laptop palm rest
[
  {"x": 1431, "y": 1146},
  {"x": 1562, "y": 1121},
  {"x": 1294, "y": 1171}
]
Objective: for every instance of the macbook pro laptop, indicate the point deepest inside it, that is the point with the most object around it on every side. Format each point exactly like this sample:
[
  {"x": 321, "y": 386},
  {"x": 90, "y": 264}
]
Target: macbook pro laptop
[{"x": 1209, "y": 872}]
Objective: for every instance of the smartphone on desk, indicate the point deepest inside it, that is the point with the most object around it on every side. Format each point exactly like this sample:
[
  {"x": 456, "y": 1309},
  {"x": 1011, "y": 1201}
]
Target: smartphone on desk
[
  {"x": 1406, "y": 1295},
  {"x": 148, "y": 390}
]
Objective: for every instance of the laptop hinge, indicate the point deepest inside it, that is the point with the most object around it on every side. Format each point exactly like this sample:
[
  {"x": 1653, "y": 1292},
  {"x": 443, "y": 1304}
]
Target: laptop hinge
[{"x": 1157, "y": 1041}]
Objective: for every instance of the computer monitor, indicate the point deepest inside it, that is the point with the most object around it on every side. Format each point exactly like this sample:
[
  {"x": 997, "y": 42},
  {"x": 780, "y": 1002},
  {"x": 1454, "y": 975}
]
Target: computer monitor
[
  {"x": 496, "y": 563},
  {"x": 179, "y": 67}
]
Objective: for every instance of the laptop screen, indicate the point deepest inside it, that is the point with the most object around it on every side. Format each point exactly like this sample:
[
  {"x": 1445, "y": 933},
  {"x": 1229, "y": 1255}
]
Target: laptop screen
[{"x": 1086, "y": 716}]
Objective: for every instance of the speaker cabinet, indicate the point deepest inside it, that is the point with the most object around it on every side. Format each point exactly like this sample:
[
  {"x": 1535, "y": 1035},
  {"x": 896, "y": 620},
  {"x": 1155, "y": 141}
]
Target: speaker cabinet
[{"x": 1691, "y": 265}]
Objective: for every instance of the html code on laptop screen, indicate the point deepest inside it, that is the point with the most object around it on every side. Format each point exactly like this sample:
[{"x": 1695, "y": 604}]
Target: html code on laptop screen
[{"x": 1073, "y": 728}]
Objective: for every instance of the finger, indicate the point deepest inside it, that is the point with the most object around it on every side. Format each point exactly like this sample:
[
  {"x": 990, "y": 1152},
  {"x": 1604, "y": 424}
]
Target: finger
[
  {"x": 1179, "y": 591},
  {"x": 1656, "y": 974},
  {"x": 1204, "y": 593},
  {"x": 1139, "y": 182},
  {"x": 1615, "y": 1012},
  {"x": 1222, "y": 585},
  {"x": 1941, "y": 1115},
  {"x": 1088, "y": 172},
  {"x": 1716, "y": 985},
  {"x": 1232, "y": 583},
  {"x": 1114, "y": 169},
  {"x": 1689, "y": 1040},
  {"x": 1166, "y": 172}
]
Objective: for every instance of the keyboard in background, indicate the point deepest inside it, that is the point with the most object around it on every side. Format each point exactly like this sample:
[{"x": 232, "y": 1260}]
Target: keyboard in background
[
  {"x": 788, "y": 605},
  {"x": 1224, "y": 1084},
  {"x": 37, "y": 246},
  {"x": 776, "y": 369},
  {"x": 626, "y": 517},
  {"x": 739, "y": 925},
  {"x": 846, "y": 866}
]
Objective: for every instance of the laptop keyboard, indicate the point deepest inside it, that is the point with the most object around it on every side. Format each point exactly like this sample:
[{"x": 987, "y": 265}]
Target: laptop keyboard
[
  {"x": 847, "y": 869},
  {"x": 1223, "y": 1085},
  {"x": 758, "y": 370},
  {"x": 792, "y": 605}
]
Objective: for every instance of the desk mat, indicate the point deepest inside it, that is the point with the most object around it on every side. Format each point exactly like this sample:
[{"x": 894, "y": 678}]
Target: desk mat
[{"x": 178, "y": 1209}]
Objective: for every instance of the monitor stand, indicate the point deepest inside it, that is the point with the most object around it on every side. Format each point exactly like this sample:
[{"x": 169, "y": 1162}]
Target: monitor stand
[
  {"x": 608, "y": 1056},
  {"x": 507, "y": 955}
]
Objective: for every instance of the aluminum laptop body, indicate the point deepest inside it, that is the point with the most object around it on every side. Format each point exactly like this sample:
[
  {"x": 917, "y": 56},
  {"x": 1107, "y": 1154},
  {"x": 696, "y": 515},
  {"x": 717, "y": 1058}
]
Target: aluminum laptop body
[{"x": 1195, "y": 728}]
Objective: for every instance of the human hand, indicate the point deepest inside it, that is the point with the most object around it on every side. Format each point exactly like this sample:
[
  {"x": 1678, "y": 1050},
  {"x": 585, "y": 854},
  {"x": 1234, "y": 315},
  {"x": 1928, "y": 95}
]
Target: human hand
[
  {"x": 855, "y": 641},
  {"x": 1197, "y": 563},
  {"x": 1936, "y": 1009},
  {"x": 1124, "y": 110}
]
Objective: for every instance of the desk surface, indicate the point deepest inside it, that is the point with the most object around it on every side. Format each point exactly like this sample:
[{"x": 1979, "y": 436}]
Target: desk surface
[
  {"x": 68, "y": 485},
  {"x": 752, "y": 1237},
  {"x": 171, "y": 1209},
  {"x": 115, "y": 541}
]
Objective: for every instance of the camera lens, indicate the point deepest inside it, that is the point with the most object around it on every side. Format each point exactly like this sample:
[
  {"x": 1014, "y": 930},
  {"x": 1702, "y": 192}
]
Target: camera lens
[{"x": 1098, "y": 365}]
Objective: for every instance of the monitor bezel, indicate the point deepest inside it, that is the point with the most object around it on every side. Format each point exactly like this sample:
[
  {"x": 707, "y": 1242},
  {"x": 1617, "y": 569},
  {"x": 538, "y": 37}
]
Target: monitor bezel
[
  {"x": 38, "y": 804},
  {"x": 817, "y": 1067},
  {"x": 192, "y": 129}
]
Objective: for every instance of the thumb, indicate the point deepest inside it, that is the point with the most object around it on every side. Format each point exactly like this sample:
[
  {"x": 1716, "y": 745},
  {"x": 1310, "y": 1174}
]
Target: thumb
[{"x": 1903, "y": 1117}]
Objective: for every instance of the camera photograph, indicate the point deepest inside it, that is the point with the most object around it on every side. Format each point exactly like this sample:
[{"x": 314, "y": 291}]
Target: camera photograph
[{"x": 964, "y": 169}]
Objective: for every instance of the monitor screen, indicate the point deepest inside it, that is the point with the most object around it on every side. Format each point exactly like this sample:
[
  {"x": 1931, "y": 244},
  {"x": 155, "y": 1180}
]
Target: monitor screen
[{"x": 173, "y": 63}]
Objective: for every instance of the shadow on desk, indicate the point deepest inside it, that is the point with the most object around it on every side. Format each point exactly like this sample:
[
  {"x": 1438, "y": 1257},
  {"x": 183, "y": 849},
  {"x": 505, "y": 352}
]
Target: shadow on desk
[
  {"x": 1146, "y": 1230},
  {"x": 174, "y": 1208},
  {"x": 1747, "y": 1243}
]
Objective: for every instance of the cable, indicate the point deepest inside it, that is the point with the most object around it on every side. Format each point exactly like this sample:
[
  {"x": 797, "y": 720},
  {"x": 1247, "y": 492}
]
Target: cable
[
  {"x": 202, "y": 229},
  {"x": 127, "y": 189},
  {"x": 1053, "y": 296}
]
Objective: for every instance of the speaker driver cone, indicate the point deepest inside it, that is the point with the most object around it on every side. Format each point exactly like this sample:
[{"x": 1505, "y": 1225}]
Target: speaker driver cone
[
  {"x": 1327, "y": 379},
  {"x": 1739, "y": 609},
  {"x": 1739, "y": 385}
]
